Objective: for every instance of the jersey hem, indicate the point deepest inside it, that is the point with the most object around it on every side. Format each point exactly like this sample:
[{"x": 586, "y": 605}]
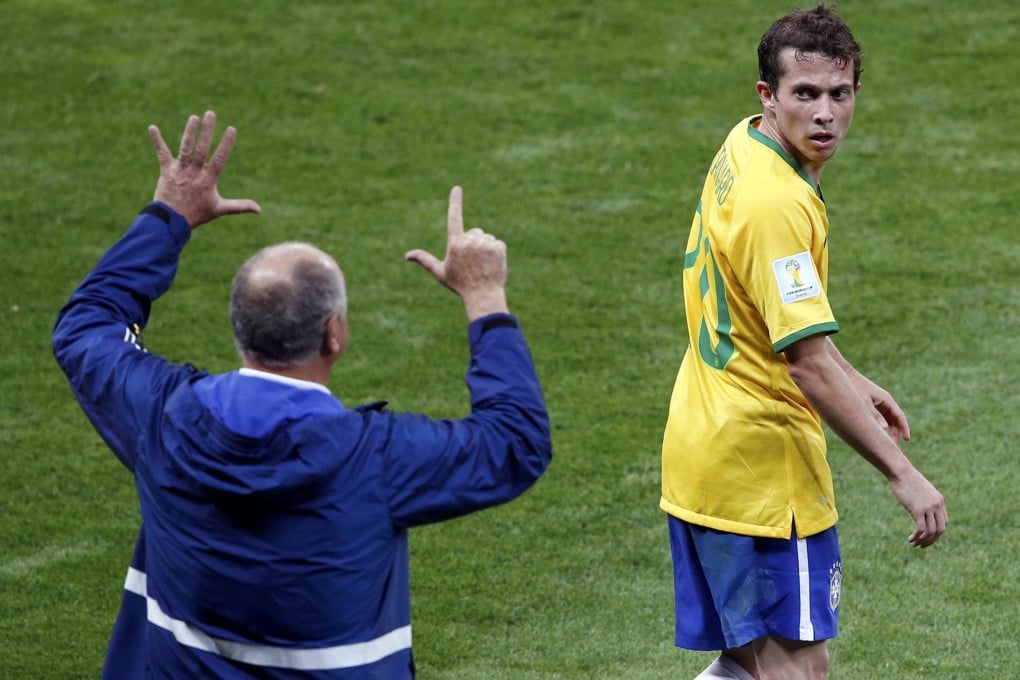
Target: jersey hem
[{"x": 745, "y": 528}]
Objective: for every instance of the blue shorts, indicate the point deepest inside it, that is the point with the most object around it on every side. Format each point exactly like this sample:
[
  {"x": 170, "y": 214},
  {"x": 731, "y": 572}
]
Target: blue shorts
[{"x": 732, "y": 589}]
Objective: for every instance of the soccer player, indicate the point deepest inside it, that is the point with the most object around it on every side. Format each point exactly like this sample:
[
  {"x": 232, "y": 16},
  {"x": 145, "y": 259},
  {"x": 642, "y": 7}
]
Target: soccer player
[
  {"x": 745, "y": 482},
  {"x": 275, "y": 518}
]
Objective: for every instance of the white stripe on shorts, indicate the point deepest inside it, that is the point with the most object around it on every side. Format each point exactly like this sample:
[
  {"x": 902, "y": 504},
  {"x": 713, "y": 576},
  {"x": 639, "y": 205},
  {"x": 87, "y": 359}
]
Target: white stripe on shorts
[
  {"x": 324, "y": 658},
  {"x": 807, "y": 629}
]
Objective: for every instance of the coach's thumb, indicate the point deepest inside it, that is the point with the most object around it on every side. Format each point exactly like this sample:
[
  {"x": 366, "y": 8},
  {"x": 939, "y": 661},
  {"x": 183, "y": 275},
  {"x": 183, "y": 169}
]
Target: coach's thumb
[{"x": 428, "y": 261}]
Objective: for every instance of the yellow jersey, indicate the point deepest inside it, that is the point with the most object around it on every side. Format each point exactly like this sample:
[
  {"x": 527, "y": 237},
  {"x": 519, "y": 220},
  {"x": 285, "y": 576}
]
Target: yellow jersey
[{"x": 743, "y": 450}]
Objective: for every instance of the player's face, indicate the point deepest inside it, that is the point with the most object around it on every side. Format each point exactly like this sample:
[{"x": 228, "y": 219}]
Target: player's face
[{"x": 809, "y": 113}]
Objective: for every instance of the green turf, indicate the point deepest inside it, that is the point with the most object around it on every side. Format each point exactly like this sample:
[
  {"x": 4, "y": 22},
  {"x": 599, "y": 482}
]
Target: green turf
[{"x": 581, "y": 132}]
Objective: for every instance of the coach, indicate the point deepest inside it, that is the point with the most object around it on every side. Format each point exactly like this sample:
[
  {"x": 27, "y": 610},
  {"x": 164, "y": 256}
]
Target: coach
[{"x": 274, "y": 518}]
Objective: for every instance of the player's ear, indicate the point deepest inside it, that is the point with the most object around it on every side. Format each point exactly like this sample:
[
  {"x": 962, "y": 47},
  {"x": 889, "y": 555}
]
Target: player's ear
[{"x": 765, "y": 94}]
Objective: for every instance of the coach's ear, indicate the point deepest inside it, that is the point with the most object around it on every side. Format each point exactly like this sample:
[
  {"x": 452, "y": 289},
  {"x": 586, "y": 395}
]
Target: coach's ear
[{"x": 334, "y": 338}]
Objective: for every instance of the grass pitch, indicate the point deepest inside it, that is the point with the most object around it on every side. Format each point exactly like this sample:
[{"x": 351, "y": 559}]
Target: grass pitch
[{"x": 581, "y": 133}]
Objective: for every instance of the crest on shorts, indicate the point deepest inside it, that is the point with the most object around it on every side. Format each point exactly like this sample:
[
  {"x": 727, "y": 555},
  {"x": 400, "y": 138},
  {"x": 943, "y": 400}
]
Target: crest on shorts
[{"x": 835, "y": 585}]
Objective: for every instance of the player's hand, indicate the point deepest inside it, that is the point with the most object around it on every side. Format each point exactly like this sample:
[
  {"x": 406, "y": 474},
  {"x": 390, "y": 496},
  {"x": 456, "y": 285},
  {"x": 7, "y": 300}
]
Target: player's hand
[
  {"x": 925, "y": 504},
  {"x": 187, "y": 183},
  {"x": 474, "y": 266},
  {"x": 884, "y": 409}
]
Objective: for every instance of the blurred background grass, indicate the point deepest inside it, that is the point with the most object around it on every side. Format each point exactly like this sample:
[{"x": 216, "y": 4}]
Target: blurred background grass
[{"x": 581, "y": 133}]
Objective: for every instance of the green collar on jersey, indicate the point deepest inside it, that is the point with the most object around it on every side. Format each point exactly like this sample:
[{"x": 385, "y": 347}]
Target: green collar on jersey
[{"x": 760, "y": 136}]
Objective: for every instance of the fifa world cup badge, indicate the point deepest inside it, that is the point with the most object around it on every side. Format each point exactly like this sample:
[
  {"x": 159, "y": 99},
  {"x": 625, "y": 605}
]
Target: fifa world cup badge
[
  {"x": 835, "y": 585},
  {"x": 796, "y": 277}
]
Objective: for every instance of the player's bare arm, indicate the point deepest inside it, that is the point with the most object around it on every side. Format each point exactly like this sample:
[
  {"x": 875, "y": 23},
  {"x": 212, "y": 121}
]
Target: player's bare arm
[
  {"x": 885, "y": 410},
  {"x": 825, "y": 383}
]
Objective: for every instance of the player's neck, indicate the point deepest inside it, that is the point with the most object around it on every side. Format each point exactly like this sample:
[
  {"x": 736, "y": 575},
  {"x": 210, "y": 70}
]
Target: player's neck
[{"x": 768, "y": 127}]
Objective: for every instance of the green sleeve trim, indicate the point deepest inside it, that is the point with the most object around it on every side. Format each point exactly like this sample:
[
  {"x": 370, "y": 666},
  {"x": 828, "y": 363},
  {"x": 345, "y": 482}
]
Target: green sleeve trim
[{"x": 827, "y": 328}]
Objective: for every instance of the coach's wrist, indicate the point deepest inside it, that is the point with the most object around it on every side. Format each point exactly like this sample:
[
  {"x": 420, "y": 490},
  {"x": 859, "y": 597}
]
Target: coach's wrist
[{"x": 482, "y": 303}]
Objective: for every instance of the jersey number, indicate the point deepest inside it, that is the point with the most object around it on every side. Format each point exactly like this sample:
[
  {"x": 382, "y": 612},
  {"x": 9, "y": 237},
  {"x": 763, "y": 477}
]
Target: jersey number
[{"x": 713, "y": 296}]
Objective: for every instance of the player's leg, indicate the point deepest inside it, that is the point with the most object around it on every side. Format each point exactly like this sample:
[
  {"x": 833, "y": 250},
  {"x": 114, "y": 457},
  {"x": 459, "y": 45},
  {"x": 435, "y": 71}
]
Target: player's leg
[
  {"x": 732, "y": 664},
  {"x": 781, "y": 659},
  {"x": 771, "y": 658}
]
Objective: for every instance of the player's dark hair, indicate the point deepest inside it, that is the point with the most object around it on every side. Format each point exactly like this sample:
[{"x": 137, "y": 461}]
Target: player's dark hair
[
  {"x": 819, "y": 30},
  {"x": 279, "y": 323}
]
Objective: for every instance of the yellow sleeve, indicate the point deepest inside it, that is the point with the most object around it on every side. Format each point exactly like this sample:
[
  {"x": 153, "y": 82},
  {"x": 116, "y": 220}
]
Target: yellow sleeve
[{"x": 777, "y": 251}]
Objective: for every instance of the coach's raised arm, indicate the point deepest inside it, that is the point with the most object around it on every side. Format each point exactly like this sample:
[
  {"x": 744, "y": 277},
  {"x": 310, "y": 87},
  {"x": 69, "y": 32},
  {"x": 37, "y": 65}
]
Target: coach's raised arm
[{"x": 274, "y": 517}]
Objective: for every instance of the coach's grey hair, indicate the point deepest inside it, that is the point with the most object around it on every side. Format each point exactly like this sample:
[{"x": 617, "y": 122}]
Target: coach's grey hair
[{"x": 279, "y": 319}]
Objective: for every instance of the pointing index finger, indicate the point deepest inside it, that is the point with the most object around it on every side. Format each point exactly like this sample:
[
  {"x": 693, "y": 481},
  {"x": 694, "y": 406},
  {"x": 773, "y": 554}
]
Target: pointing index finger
[{"x": 455, "y": 214}]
